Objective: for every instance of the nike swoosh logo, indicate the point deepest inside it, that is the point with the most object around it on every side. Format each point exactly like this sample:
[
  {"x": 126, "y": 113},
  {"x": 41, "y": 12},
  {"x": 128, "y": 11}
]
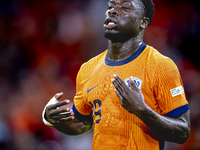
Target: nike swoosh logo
[{"x": 88, "y": 90}]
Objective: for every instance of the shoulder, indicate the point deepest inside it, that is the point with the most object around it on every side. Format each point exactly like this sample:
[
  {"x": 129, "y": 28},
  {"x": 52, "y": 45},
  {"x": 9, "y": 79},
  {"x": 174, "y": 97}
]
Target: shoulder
[
  {"x": 87, "y": 67},
  {"x": 95, "y": 60},
  {"x": 155, "y": 59},
  {"x": 160, "y": 66},
  {"x": 155, "y": 56}
]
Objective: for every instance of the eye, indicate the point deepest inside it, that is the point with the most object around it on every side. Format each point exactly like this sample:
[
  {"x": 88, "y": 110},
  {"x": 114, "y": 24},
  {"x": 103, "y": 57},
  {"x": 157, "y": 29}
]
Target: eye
[
  {"x": 126, "y": 7},
  {"x": 110, "y": 7}
]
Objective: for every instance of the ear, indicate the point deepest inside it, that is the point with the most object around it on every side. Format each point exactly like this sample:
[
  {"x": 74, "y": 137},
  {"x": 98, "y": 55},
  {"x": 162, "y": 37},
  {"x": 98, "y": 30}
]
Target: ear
[{"x": 144, "y": 22}]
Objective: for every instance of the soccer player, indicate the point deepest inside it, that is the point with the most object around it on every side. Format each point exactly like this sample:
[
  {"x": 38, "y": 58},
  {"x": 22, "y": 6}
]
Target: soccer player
[{"x": 131, "y": 94}]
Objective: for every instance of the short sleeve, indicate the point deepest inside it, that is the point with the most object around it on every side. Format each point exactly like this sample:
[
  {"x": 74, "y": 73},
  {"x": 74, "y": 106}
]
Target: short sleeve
[
  {"x": 169, "y": 90},
  {"x": 81, "y": 107}
]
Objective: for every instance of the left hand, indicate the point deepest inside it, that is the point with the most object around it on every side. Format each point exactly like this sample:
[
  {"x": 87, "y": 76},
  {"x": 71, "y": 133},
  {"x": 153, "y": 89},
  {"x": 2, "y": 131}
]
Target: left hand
[{"x": 131, "y": 97}]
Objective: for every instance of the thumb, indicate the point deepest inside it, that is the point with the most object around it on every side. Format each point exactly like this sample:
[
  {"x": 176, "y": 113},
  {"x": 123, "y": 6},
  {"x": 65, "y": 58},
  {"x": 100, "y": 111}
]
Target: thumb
[
  {"x": 58, "y": 95},
  {"x": 132, "y": 83}
]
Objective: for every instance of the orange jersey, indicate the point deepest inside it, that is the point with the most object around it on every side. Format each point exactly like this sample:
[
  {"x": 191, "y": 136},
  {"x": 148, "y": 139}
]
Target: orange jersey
[{"x": 114, "y": 128}]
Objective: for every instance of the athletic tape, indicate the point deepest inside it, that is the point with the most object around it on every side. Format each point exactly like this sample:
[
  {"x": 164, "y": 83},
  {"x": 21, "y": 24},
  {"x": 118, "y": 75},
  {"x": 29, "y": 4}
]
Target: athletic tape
[{"x": 52, "y": 101}]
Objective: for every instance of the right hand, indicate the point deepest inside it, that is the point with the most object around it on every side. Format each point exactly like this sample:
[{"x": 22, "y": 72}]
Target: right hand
[{"x": 56, "y": 115}]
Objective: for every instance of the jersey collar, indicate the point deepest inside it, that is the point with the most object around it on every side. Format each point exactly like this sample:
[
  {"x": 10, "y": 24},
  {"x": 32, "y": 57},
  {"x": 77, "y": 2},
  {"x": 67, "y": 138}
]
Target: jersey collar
[{"x": 127, "y": 60}]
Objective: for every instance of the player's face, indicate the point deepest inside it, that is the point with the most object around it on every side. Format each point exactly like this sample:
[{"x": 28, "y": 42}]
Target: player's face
[{"x": 123, "y": 19}]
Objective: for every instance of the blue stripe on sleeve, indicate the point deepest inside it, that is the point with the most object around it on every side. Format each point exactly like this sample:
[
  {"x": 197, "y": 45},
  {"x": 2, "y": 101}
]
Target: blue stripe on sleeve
[
  {"x": 161, "y": 145},
  {"x": 178, "y": 111},
  {"x": 79, "y": 116}
]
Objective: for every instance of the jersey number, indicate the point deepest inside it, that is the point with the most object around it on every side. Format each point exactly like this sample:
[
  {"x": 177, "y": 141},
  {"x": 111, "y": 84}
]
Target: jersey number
[{"x": 96, "y": 110}]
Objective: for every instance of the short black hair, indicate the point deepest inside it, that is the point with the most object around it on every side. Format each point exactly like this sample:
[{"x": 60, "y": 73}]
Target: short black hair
[{"x": 148, "y": 9}]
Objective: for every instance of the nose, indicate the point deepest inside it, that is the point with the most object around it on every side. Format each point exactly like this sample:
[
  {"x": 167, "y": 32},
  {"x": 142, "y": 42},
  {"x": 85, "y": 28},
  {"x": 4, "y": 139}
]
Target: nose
[{"x": 112, "y": 12}]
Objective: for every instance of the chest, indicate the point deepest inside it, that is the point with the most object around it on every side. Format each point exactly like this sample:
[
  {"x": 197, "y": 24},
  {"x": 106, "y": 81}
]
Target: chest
[
  {"x": 98, "y": 84},
  {"x": 99, "y": 92}
]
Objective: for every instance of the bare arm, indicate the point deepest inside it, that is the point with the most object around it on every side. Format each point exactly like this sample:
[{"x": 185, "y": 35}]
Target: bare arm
[
  {"x": 65, "y": 121},
  {"x": 164, "y": 128}
]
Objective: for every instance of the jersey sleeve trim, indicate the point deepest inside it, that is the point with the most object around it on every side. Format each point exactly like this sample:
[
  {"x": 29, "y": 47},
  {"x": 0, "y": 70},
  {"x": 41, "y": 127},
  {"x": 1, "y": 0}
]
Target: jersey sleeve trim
[
  {"x": 79, "y": 116},
  {"x": 178, "y": 111},
  {"x": 161, "y": 145}
]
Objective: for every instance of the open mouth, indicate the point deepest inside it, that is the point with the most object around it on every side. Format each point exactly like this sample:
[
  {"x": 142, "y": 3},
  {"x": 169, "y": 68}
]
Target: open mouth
[{"x": 109, "y": 24}]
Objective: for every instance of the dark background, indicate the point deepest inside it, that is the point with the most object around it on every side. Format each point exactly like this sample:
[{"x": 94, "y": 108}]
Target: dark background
[{"x": 43, "y": 44}]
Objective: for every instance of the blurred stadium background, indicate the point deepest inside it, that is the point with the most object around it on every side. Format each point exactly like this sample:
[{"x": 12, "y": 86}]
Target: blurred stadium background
[{"x": 44, "y": 42}]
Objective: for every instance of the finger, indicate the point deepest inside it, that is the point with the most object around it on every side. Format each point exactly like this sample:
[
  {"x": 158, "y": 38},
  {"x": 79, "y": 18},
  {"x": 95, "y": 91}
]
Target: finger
[
  {"x": 58, "y": 104},
  {"x": 117, "y": 86},
  {"x": 54, "y": 122},
  {"x": 58, "y": 95},
  {"x": 132, "y": 84},
  {"x": 60, "y": 111},
  {"x": 118, "y": 94},
  {"x": 67, "y": 112},
  {"x": 120, "y": 81},
  {"x": 59, "y": 116},
  {"x": 63, "y": 117},
  {"x": 67, "y": 119}
]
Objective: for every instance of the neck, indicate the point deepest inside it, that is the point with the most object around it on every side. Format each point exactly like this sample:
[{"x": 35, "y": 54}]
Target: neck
[{"x": 122, "y": 50}]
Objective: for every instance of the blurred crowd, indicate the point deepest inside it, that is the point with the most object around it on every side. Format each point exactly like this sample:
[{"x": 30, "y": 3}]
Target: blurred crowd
[{"x": 43, "y": 44}]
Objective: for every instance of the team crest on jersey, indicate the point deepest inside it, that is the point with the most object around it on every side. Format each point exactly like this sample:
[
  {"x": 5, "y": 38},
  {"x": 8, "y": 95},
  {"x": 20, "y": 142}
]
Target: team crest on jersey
[{"x": 137, "y": 81}]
